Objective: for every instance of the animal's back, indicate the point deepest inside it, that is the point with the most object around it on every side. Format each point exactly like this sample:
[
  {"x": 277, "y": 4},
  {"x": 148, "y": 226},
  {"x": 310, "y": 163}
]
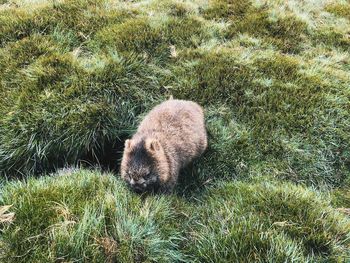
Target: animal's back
[{"x": 180, "y": 125}]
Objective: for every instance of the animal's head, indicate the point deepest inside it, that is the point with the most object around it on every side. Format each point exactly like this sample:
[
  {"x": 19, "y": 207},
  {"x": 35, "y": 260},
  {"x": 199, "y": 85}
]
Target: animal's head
[{"x": 144, "y": 164}]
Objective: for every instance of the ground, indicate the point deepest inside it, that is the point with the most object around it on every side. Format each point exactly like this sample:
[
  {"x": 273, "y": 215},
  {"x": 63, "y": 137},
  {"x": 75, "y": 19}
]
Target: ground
[{"x": 76, "y": 77}]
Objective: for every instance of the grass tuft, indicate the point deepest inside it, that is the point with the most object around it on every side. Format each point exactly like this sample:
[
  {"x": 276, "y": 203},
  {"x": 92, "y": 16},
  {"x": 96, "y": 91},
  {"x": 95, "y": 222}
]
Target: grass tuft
[
  {"x": 286, "y": 33},
  {"x": 265, "y": 222},
  {"x": 88, "y": 216},
  {"x": 91, "y": 216},
  {"x": 134, "y": 35},
  {"x": 338, "y": 9},
  {"x": 222, "y": 9}
]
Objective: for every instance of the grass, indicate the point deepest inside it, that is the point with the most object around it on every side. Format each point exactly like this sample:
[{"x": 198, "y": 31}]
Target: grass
[
  {"x": 87, "y": 216},
  {"x": 93, "y": 216},
  {"x": 267, "y": 222},
  {"x": 76, "y": 77}
]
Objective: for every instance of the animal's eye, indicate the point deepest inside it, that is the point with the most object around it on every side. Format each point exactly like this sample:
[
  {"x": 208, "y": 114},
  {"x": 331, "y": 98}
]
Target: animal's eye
[{"x": 147, "y": 176}]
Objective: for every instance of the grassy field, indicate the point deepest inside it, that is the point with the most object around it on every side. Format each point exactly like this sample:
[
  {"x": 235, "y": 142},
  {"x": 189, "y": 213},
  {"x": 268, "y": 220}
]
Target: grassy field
[{"x": 76, "y": 77}]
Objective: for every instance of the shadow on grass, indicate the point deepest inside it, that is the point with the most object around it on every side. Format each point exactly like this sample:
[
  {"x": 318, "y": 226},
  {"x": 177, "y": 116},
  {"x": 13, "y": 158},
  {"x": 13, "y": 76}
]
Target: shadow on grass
[{"x": 192, "y": 180}]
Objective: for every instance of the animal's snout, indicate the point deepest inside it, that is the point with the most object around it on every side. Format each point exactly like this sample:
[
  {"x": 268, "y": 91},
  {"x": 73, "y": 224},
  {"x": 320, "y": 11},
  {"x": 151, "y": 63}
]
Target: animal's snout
[{"x": 138, "y": 188}]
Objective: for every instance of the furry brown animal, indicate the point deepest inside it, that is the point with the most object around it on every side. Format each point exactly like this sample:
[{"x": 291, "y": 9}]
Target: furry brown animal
[{"x": 171, "y": 136}]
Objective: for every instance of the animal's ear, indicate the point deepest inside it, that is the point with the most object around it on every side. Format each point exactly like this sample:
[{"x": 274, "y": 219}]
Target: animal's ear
[
  {"x": 128, "y": 144},
  {"x": 152, "y": 145}
]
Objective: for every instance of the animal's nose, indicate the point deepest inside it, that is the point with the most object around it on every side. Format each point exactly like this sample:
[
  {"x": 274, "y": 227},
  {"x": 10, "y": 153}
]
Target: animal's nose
[{"x": 132, "y": 182}]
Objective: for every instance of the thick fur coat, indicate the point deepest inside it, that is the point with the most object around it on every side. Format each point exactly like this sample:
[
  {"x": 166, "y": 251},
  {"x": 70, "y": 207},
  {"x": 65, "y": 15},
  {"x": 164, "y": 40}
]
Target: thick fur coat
[{"x": 170, "y": 136}]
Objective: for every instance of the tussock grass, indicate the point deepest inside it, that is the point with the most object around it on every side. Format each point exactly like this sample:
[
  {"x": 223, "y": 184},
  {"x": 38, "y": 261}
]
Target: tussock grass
[
  {"x": 273, "y": 76},
  {"x": 91, "y": 216},
  {"x": 87, "y": 216},
  {"x": 133, "y": 35},
  {"x": 268, "y": 222},
  {"x": 94, "y": 67},
  {"x": 339, "y": 9}
]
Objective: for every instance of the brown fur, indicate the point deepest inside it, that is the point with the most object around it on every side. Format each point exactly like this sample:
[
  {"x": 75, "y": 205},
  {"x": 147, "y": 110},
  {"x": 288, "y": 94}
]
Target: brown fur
[{"x": 171, "y": 136}]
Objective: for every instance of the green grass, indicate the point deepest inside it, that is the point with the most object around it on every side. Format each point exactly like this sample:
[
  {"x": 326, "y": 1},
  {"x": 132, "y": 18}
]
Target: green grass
[
  {"x": 268, "y": 222},
  {"x": 87, "y": 216},
  {"x": 76, "y": 77},
  {"x": 93, "y": 216}
]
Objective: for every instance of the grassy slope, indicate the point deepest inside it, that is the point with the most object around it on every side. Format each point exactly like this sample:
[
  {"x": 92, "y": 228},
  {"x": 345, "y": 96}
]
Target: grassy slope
[{"x": 75, "y": 78}]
